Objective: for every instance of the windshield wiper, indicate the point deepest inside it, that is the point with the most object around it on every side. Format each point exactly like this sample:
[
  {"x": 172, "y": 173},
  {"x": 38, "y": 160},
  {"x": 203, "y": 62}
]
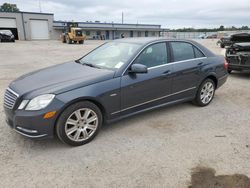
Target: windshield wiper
[{"x": 91, "y": 65}]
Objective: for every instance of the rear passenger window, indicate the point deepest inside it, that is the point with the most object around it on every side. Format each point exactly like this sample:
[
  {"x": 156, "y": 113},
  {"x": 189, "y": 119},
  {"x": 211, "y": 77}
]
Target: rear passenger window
[
  {"x": 198, "y": 53},
  {"x": 182, "y": 51}
]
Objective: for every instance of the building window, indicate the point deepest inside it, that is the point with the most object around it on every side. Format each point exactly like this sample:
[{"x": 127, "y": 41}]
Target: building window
[
  {"x": 98, "y": 33},
  {"x": 146, "y": 33},
  {"x": 87, "y": 33},
  {"x": 153, "y": 33},
  {"x": 139, "y": 33}
]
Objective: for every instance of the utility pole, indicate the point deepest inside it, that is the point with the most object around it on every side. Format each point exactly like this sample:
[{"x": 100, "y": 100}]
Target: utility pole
[{"x": 122, "y": 18}]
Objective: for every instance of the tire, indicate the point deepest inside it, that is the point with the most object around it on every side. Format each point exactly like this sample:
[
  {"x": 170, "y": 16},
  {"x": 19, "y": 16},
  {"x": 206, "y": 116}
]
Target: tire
[
  {"x": 63, "y": 39},
  {"x": 81, "y": 42},
  {"x": 222, "y": 45},
  {"x": 77, "y": 134},
  {"x": 229, "y": 71},
  {"x": 207, "y": 86},
  {"x": 68, "y": 40}
]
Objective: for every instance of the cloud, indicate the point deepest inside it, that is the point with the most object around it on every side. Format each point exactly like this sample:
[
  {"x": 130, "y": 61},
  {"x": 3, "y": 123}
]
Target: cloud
[{"x": 170, "y": 14}]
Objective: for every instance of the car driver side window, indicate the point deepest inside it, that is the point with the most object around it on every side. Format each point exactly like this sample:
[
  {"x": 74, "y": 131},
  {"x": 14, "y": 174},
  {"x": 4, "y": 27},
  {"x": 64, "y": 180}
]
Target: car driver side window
[{"x": 153, "y": 55}]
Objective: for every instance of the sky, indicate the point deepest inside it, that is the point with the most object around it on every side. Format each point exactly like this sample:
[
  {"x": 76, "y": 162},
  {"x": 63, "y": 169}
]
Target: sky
[{"x": 168, "y": 13}]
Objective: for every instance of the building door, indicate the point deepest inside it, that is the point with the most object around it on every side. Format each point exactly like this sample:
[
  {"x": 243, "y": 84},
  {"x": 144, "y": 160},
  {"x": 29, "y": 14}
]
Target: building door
[
  {"x": 9, "y": 24},
  {"x": 39, "y": 29},
  {"x": 107, "y": 35},
  {"x": 131, "y": 34},
  {"x": 146, "y": 33}
]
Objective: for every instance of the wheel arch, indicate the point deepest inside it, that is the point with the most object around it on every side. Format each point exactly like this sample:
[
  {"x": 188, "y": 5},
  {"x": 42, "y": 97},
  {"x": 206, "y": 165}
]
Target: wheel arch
[
  {"x": 212, "y": 77},
  {"x": 90, "y": 99}
]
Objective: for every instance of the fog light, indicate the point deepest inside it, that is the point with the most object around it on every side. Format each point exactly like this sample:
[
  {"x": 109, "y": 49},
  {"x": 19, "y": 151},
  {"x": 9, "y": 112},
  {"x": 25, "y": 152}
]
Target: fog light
[{"x": 49, "y": 115}]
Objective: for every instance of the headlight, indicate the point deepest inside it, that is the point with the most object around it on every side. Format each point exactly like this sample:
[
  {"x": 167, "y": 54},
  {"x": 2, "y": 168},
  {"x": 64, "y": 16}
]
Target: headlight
[{"x": 40, "y": 102}]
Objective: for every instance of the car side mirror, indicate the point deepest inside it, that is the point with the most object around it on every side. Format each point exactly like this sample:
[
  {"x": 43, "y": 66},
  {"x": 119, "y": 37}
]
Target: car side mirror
[{"x": 138, "y": 69}]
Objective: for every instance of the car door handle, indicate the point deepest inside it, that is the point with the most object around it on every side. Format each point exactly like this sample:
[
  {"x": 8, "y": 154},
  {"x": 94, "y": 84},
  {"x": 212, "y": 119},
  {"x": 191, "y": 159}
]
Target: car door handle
[
  {"x": 200, "y": 64},
  {"x": 166, "y": 73}
]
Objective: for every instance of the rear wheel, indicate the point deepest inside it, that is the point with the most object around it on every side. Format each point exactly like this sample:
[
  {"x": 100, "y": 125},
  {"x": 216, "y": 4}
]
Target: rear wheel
[
  {"x": 81, "y": 42},
  {"x": 229, "y": 71},
  {"x": 79, "y": 123},
  {"x": 205, "y": 93}
]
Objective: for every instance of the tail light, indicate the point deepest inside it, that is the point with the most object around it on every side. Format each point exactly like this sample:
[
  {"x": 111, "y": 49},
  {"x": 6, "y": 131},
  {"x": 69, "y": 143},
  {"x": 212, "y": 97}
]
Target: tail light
[{"x": 225, "y": 64}]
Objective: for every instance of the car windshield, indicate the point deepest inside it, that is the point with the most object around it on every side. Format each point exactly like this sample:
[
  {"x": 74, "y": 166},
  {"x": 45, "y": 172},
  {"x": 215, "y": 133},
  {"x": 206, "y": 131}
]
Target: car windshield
[{"x": 111, "y": 55}]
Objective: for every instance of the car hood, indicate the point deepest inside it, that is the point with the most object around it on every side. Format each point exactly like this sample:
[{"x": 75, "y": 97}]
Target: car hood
[
  {"x": 241, "y": 37},
  {"x": 59, "y": 78},
  {"x": 242, "y": 46}
]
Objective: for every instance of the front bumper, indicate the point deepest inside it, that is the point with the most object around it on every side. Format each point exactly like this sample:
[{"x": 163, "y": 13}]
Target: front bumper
[
  {"x": 238, "y": 67},
  {"x": 31, "y": 124},
  {"x": 238, "y": 62}
]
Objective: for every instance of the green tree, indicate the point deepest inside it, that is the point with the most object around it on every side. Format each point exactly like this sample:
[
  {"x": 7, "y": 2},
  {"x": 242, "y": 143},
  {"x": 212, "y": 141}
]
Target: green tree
[
  {"x": 222, "y": 28},
  {"x": 244, "y": 28},
  {"x": 7, "y": 7}
]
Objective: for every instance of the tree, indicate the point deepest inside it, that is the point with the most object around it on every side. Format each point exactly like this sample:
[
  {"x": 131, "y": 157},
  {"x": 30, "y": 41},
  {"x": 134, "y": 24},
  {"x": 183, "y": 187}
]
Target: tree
[
  {"x": 222, "y": 28},
  {"x": 7, "y": 7},
  {"x": 244, "y": 28}
]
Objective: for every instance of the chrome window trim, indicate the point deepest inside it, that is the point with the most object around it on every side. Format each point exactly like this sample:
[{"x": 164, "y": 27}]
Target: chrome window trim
[
  {"x": 153, "y": 100},
  {"x": 176, "y": 62},
  {"x": 154, "y": 42}
]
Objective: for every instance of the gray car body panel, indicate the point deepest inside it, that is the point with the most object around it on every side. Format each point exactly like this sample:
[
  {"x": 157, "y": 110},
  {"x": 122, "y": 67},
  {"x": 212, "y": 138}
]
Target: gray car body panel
[{"x": 117, "y": 93}]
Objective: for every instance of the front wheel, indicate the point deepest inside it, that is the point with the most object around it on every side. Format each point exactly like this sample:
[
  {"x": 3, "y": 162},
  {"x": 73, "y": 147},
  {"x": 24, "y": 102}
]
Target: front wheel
[
  {"x": 205, "y": 93},
  {"x": 79, "y": 123},
  {"x": 68, "y": 40}
]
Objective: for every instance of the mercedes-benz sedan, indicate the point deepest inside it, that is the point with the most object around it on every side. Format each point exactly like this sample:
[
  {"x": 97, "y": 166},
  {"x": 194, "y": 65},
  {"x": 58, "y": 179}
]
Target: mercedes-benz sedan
[{"x": 118, "y": 79}]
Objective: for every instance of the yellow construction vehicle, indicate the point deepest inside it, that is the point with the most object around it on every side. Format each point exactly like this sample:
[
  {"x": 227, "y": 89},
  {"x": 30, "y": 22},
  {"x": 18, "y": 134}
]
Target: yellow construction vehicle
[{"x": 72, "y": 34}]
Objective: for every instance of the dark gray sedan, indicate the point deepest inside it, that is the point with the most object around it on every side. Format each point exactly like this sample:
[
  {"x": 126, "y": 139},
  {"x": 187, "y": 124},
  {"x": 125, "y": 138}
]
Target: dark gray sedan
[{"x": 117, "y": 79}]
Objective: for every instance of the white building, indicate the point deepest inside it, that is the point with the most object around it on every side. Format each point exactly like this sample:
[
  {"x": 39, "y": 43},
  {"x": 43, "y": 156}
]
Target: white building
[{"x": 38, "y": 26}]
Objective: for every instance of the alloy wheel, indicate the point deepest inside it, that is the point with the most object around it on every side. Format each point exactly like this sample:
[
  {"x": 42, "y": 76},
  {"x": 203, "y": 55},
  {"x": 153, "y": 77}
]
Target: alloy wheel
[
  {"x": 81, "y": 124},
  {"x": 207, "y": 92}
]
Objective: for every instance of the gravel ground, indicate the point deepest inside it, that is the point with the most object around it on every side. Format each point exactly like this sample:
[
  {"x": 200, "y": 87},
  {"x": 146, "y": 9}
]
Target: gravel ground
[{"x": 154, "y": 149}]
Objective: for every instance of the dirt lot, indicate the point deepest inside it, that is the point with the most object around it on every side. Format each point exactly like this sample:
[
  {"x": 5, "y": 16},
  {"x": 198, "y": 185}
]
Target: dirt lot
[{"x": 154, "y": 149}]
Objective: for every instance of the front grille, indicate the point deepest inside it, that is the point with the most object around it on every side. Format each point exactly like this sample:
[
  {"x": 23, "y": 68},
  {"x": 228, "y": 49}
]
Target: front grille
[{"x": 10, "y": 98}]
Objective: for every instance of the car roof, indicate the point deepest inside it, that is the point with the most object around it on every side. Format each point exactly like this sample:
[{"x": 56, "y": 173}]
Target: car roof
[
  {"x": 143, "y": 41},
  {"x": 146, "y": 40}
]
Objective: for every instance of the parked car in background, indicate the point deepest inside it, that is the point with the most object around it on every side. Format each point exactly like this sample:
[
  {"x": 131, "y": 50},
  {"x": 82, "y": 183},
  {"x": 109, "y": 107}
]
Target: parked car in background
[
  {"x": 213, "y": 36},
  {"x": 116, "y": 80},
  {"x": 6, "y": 36},
  {"x": 202, "y": 36},
  {"x": 238, "y": 53},
  {"x": 224, "y": 41}
]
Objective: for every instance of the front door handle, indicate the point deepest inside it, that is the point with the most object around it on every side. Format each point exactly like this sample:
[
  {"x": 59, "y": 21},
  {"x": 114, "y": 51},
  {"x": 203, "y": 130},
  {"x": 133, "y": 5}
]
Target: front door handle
[
  {"x": 200, "y": 64},
  {"x": 166, "y": 73}
]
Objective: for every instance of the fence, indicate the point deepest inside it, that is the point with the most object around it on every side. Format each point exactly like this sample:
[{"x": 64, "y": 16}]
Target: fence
[{"x": 196, "y": 35}]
